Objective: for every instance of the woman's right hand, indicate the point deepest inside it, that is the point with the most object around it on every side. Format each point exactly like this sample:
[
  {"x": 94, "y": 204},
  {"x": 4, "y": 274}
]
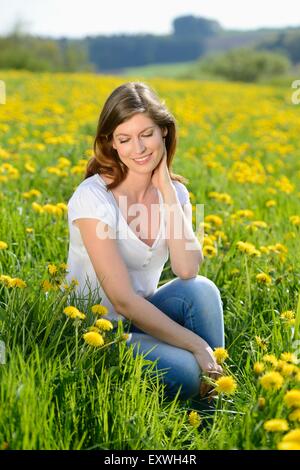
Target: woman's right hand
[{"x": 209, "y": 366}]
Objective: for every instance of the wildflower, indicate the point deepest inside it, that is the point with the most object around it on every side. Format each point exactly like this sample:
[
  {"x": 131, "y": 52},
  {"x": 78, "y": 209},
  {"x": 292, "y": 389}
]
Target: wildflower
[
  {"x": 52, "y": 269},
  {"x": 63, "y": 266},
  {"x": 289, "y": 357},
  {"x": 73, "y": 312},
  {"x": 248, "y": 248},
  {"x": 258, "y": 367},
  {"x": 234, "y": 272},
  {"x": 271, "y": 203},
  {"x": 271, "y": 381},
  {"x": 93, "y": 338},
  {"x": 46, "y": 285},
  {"x": 226, "y": 385},
  {"x": 295, "y": 415},
  {"x": 288, "y": 317},
  {"x": 287, "y": 370},
  {"x": 214, "y": 219},
  {"x": 209, "y": 251},
  {"x": 261, "y": 402},
  {"x": 258, "y": 224},
  {"x": 99, "y": 309},
  {"x": 221, "y": 355},
  {"x": 288, "y": 445},
  {"x": 262, "y": 343},
  {"x": 292, "y": 398},
  {"x": 271, "y": 359},
  {"x": 29, "y": 229},
  {"x": 264, "y": 278},
  {"x": 104, "y": 325},
  {"x": 16, "y": 282},
  {"x": 247, "y": 213},
  {"x": 194, "y": 419},
  {"x": 273, "y": 425},
  {"x": 3, "y": 245},
  {"x": 295, "y": 219},
  {"x": 291, "y": 441}
]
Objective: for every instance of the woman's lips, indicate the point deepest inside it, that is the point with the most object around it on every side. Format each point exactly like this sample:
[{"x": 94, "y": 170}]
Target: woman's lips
[{"x": 144, "y": 160}]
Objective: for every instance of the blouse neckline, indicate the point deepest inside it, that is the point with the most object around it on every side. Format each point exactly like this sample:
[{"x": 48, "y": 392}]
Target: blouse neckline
[{"x": 152, "y": 247}]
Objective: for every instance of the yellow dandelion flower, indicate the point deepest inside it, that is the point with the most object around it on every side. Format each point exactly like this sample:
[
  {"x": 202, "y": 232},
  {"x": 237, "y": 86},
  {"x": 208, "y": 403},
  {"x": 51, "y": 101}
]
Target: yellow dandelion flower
[
  {"x": 289, "y": 357},
  {"x": 104, "y": 325},
  {"x": 264, "y": 278},
  {"x": 287, "y": 315},
  {"x": 220, "y": 354},
  {"x": 271, "y": 203},
  {"x": 99, "y": 309},
  {"x": 63, "y": 266},
  {"x": 295, "y": 415},
  {"x": 288, "y": 445},
  {"x": 46, "y": 285},
  {"x": 226, "y": 385},
  {"x": 194, "y": 419},
  {"x": 293, "y": 435},
  {"x": 16, "y": 282},
  {"x": 248, "y": 248},
  {"x": 287, "y": 370},
  {"x": 214, "y": 219},
  {"x": 295, "y": 219},
  {"x": 274, "y": 425},
  {"x": 271, "y": 381},
  {"x": 234, "y": 272},
  {"x": 292, "y": 398},
  {"x": 52, "y": 269},
  {"x": 262, "y": 343},
  {"x": 3, "y": 245},
  {"x": 258, "y": 367},
  {"x": 93, "y": 338},
  {"x": 271, "y": 359},
  {"x": 73, "y": 312},
  {"x": 209, "y": 251}
]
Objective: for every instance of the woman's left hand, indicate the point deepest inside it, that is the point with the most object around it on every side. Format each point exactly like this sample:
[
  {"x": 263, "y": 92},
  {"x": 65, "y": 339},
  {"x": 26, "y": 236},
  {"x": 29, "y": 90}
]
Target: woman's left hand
[{"x": 160, "y": 176}]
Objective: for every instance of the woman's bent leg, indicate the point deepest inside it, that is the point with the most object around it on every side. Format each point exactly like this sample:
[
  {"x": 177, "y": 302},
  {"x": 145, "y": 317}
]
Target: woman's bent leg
[{"x": 195, "y": 304}]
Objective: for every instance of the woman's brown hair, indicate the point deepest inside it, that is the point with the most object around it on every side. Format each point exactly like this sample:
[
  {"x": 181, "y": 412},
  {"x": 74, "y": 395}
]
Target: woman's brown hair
[{"x": 125, "y": 101}]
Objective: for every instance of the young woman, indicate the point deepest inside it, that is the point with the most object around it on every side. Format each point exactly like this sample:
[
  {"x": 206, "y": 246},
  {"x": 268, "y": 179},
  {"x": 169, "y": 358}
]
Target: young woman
[{"x": 120, "y": 255}]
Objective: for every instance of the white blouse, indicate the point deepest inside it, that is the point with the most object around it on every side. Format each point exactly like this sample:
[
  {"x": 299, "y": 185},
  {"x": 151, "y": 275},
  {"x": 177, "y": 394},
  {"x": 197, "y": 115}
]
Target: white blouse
[{"x": 144, "y": 263}]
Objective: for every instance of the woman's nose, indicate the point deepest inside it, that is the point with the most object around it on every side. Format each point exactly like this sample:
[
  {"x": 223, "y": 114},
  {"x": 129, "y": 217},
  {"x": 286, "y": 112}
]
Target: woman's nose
[{"x": 138, "y": 146}]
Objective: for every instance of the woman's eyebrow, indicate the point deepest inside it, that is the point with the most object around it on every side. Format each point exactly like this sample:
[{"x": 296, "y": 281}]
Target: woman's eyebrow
[{"x": 150, "y": 127}]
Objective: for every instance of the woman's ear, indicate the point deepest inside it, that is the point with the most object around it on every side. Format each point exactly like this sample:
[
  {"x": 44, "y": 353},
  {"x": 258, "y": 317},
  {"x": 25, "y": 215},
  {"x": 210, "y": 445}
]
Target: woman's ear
[{"x": 164, "y": 132}]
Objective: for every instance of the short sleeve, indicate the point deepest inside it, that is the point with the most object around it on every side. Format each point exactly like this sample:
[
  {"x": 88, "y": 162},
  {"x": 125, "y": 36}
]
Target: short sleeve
[
  {"x": 182, "y": 192},
  {"x": 89, "y": 202}
]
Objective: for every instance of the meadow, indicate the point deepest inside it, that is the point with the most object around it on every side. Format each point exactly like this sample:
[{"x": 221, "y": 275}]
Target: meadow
[{"x": 239, "y": 148}]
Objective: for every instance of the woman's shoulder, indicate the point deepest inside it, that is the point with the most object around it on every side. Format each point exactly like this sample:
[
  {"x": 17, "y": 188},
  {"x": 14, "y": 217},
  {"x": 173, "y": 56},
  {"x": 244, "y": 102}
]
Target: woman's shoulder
[
  {"x": 93, "y": 186},
  {"x": 91, "y": 199}
]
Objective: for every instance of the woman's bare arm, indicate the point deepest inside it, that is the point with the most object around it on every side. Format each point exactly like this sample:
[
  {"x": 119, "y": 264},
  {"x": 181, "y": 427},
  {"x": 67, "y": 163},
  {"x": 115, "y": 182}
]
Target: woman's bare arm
[{"x": 114, "y": 278}]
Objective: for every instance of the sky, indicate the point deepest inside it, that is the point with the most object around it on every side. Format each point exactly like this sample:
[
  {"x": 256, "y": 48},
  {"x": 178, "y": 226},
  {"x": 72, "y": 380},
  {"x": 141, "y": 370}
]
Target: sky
[{"x": 77, "y": 18}]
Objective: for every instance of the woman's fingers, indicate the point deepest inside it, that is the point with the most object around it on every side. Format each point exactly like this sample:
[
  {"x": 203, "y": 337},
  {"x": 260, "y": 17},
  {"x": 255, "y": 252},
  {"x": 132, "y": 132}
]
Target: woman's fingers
[{"x": 205, "y": 387}]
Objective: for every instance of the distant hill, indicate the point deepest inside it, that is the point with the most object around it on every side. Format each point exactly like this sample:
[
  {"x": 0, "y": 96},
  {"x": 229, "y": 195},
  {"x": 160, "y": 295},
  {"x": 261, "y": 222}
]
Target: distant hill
[{"x": 112, "y": 54}]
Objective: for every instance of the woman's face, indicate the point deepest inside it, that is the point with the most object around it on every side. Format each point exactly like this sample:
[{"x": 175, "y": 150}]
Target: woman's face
[{"x": 137, "y": 138}]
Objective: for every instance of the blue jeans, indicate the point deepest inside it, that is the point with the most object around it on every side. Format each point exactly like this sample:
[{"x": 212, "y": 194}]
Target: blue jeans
[{"x": 195, "y": 304}]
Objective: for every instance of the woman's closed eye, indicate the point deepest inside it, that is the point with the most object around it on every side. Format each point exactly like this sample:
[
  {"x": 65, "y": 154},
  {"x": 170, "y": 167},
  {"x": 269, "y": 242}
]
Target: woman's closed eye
[{"x": 124, "y": 141}]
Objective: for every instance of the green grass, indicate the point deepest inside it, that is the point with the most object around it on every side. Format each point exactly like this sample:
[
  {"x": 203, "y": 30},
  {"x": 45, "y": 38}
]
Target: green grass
[{"x": 56, "y": 392}]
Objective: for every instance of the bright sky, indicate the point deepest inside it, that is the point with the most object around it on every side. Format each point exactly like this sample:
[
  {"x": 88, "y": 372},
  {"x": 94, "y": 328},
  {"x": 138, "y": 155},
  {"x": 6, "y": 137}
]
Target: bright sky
[{"x": 75, "y": 18}]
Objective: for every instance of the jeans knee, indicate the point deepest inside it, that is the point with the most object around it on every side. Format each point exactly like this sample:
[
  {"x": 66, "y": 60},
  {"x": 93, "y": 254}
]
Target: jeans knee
[{"x": 200, "y": 287}]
